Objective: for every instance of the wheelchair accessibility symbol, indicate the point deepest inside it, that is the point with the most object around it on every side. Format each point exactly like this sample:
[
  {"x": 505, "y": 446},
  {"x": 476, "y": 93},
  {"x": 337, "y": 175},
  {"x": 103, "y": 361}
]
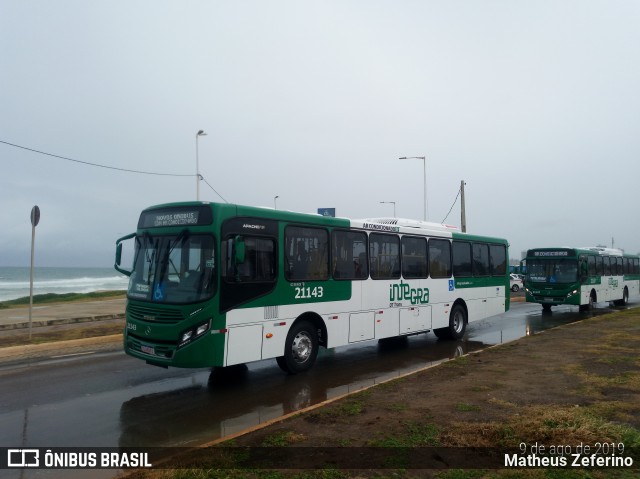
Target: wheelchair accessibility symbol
[
  {"x": 158, "y": 292},
  {"x": 451, "y": 287}
]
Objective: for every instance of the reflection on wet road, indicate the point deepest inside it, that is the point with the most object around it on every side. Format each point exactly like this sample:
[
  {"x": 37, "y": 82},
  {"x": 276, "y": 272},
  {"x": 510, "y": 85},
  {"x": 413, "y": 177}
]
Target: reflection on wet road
[{"x": 113, "y": 400}]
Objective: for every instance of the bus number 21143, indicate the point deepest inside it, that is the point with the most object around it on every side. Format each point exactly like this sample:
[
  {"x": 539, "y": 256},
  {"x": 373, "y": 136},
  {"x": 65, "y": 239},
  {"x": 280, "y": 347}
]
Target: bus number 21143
[{"x": 306, "y": 293}]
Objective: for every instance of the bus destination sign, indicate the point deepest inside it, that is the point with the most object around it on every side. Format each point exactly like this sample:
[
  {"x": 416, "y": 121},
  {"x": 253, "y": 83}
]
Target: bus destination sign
[
  {"x": 187, "y": 218},
  {"x": 163, "y": 218},
  {"x": 550, "y": 254}
]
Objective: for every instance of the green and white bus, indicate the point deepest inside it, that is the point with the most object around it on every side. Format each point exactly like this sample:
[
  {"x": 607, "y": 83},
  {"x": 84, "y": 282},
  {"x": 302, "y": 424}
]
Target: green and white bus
[
  {"x": 580, "y": 276},
  {"x": 220, "y": 284}
]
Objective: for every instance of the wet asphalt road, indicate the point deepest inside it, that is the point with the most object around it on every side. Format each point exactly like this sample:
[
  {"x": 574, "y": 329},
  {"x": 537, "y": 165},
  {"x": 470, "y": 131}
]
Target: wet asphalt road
[{"x": 114, "y": 400}]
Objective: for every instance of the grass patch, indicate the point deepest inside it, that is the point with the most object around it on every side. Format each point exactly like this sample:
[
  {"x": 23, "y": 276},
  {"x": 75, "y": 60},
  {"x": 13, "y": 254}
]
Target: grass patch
[
  {"x": 341, "y": 411},
  {"x": 567, "y": 425},
  {"x": 467, "y": 407},
  {"x": 413, "y": 435},
  {"x": 61, "y": 298},
  {"x": 282, "y": 438},
  {"x": 458, "y": 362},
  {"x": 502, "y": 403},
  {"x": 398, "y": 407},
  {"x": 20, "y": 337}
]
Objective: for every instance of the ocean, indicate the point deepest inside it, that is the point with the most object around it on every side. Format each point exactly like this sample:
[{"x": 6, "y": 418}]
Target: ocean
[{"x": 14, "y": 281}]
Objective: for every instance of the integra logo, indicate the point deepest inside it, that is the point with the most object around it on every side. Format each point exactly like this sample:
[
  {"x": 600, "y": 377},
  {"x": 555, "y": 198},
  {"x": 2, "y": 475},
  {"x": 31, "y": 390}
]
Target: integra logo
[
  {"x": 402, "y": 291},
  {"x": 253, "y": 227}
]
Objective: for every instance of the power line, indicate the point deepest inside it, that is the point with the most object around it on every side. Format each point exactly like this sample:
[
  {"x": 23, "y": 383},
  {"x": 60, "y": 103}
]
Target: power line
[
  {"x": 203, "y": 179},
  {"x": 454, "y": 203},
  {"x": 110, "y": 167},
  {"x": 91, "y": 164}
]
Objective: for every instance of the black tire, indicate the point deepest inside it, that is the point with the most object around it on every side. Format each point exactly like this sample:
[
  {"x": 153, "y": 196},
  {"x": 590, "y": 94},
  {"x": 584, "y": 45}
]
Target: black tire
[
  {"x": 457, "y": 324},
  {"x": 591, "y": 305},
  {"x": 515, "y": 288},
  {"x": 546, "y": 308},
  {"x": 625, "y": 298},
  {"x": 300, "y": 348}
]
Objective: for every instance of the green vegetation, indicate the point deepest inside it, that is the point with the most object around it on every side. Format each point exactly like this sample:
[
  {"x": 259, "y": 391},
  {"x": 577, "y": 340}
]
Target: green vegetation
[
  {"x": 412, "y": 434},
  {"x": 61, "y": 298},
  {"x": 467, "y": 407}
]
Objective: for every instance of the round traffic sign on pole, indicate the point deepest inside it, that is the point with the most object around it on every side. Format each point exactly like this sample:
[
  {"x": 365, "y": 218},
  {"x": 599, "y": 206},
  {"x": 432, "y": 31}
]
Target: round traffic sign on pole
[
  {"x": 35, "y": 216},
  {"x": 35, "y": 219}
]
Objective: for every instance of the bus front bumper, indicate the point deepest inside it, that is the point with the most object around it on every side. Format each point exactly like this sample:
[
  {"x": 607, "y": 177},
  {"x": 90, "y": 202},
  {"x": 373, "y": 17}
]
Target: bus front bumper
[
  {"x": 553, "y": 298},
  {"x": 194, "y": 354}
]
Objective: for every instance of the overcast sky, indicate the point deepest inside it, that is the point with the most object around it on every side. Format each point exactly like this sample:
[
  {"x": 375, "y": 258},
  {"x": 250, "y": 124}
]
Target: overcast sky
[{"x": 535, "y": 104}]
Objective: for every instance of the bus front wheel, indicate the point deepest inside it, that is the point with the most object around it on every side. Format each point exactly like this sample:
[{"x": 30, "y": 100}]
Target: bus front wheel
[
  {"x": 457, "y": 324},
  {"x": 591, "y": 304},
  {"x": 300, "y": 348}
]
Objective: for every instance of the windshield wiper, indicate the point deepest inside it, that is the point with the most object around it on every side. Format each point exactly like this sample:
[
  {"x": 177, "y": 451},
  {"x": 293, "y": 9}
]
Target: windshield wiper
[
  {"x": 179, "y": 239},
  {"x": 150, "y": 258}
]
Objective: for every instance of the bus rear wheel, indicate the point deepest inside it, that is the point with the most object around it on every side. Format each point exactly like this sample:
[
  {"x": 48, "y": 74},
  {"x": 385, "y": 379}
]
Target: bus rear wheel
[
  {"x": 300, "y": 348},
  {"x": 624, "y": 300},
  {"x": 457, "y": 324}
]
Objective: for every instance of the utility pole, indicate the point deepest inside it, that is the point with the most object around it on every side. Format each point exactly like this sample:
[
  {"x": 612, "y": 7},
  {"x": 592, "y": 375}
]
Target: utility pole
[
  {"x": 35, "y": 219},
  {"x": 463, "y": 215}
]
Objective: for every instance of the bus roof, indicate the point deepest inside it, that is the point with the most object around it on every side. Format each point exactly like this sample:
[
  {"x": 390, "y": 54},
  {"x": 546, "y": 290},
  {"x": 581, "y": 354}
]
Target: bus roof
[{"x": 384, "y": 224}]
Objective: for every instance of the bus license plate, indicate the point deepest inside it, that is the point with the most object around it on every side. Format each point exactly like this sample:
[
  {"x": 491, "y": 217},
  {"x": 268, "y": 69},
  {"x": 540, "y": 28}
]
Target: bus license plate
[
  {"x": 148, "y": 350},
  {"x": 548, "y": 300}
]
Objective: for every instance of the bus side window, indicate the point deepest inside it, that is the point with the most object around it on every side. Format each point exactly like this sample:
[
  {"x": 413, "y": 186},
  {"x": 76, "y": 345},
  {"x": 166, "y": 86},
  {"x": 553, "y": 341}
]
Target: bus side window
[
  {"x": 462, "y": 259},
  {"x": 591, "y": 262},
  {"x": 440, "y": 258},
  {"x": 349, "y": 255},
  {"x": 480, "y": 259},
  {"x": 599, "y": 266},
  {"x": 498, "y": 259},
  {"x": 256, "y": 265},
  {"x": 306, "y": 253},
  {"x": 384, "y": 254},
  {"x": 620, "y": 268},
  {"x": 414, "y": 257}
]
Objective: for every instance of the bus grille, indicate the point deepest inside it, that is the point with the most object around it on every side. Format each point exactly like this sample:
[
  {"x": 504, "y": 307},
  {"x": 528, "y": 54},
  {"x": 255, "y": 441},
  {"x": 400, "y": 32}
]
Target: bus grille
[
  {"x": 158, "y": 350},
  {"x": 153, "y": 315}
]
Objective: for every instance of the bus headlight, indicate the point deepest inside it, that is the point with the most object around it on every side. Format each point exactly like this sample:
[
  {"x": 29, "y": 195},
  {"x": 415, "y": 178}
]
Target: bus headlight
[
  {"x": 194, "y": 333},
  {"x": 572, "y": 293}
]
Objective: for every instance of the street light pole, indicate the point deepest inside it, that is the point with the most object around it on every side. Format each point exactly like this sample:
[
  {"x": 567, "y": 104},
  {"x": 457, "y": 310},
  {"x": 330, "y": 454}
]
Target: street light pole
[
  {"x": 275, "y": 207},
  {"x": 200, "y": 133},
  {"x": 394, "y": 206},
  {"x": 424, "y": 160}
]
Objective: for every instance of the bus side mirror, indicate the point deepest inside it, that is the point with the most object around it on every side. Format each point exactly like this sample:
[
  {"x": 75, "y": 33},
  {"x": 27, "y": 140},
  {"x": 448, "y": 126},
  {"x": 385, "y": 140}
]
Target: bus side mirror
[
  {"x": 119, "y": 255},
  {"x": 239, "y": 249}
]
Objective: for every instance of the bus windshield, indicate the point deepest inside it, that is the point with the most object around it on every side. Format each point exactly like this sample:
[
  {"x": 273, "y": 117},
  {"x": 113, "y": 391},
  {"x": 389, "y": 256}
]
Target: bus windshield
[
  {"x": 177, "y": 269},
  {"x": 552, "y": 271}
]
